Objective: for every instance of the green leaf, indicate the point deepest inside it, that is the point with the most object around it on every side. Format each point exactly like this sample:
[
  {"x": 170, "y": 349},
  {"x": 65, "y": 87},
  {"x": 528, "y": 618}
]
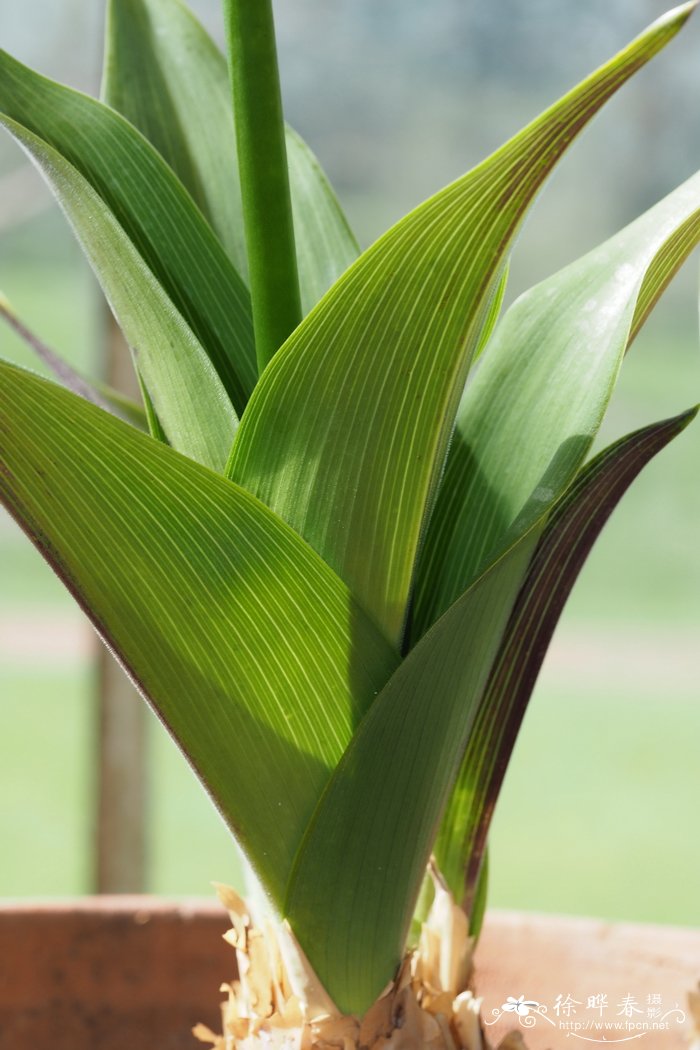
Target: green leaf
[
  {"x": 663, "y": 268},
  {"x": 527, "y": 421},
  {"x": 165, "y": 74},
  {"x": 325, "y": 244},
  {"x": 360, "y": 866},
  {"x": 153, "y": 209},
  {"x": 188, "y": 395},
  {"x": 248, "y": 646},
  {"x": 571, "y": 531},
  {"x": 347, "y": 432},
  {"x": 463, "y": 687}
]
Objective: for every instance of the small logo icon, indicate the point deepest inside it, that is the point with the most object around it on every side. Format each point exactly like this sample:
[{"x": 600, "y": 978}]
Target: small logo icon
[{"x": 520, "y": 1006}]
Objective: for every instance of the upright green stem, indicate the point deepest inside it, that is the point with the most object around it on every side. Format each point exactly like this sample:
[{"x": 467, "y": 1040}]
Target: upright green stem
[{"x": 262, "y": 162}]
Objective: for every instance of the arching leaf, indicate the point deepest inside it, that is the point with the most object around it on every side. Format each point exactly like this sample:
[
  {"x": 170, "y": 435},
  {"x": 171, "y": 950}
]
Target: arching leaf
[
  {"x": 166, "y": 75},
  {"x": 346, "y": 434},
  {"x": 573, "y": 528},
  {"x": 527, "y": 422},
  {"x": 187, "y": 393},
  {"x": 359, "y": 869},
  {"x": 250, "y": 649},
  {"x": 153, "y": 209}
]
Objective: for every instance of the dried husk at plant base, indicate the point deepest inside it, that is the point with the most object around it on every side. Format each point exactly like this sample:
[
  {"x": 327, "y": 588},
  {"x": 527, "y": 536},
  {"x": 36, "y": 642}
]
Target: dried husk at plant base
[
  {"x": 513, "y": 1041},
  {"x": 279, "y": 1002}
]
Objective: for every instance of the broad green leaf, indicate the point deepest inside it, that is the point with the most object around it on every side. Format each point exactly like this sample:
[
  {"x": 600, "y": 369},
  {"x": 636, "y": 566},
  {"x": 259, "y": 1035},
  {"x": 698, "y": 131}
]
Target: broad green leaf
[
  {"x": 165, "y": 74},
  {"x": 527, "y": 420},
  {"x": 187, "y": 393},
  {"x": 248, "y": 646},
  {"x": 562, "y": 550},
  {"x": 361, "y": 863},
  {"x": 91, "y": 389},
  {"x": 153, "y": 209},
  {"x": 346, "y": 434},
  {"x": 568, "y": 361}
]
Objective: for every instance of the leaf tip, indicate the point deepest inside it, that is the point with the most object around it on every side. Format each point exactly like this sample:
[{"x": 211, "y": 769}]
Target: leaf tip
[
  {"x": 677, "y": 424},
  {"x": 676, "y": 17}
]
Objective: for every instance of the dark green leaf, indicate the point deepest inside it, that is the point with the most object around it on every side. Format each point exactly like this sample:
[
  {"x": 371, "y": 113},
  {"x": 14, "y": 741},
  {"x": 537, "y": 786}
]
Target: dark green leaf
[
  {"x": 189, "y": 398},
  {"x": 561, "y": 553},
  {"x": 152, "y": 208},
  {"x": 360, "y": 866},
  {"x": 165, "y": 74}
]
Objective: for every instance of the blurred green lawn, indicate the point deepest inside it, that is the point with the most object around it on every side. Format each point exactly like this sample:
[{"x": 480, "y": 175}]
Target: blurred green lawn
[{"x": 599, "y": 811}]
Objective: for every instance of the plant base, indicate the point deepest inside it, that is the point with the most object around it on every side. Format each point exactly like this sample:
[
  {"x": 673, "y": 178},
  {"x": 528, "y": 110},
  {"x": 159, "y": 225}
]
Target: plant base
[{"x": 279, "y": 1002}]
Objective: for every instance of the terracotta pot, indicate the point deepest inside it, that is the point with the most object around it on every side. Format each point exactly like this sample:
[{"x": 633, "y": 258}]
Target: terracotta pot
[{"x": 135, "y": 973}]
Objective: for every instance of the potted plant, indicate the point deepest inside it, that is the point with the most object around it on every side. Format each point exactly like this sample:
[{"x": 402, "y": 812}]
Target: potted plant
[{"x": 335, "y": 561}]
